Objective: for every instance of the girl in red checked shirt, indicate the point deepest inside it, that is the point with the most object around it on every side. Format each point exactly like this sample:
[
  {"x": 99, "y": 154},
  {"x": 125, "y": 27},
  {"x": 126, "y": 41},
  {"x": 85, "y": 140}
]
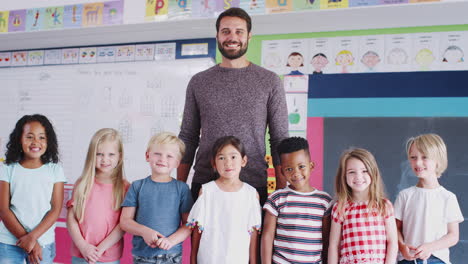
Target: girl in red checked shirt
[{"x": 363, "y": 229}]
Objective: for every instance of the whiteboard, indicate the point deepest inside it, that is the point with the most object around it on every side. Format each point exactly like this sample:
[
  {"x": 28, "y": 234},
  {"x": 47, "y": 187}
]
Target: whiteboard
[{"x": 138, "y": 99}]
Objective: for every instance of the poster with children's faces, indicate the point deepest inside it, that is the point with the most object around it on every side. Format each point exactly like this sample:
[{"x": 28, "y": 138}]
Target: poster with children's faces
[
  {"x": 426, "y": 52},
  {"x": 5, "y": 59},
  {"x": 453, "y": 47},
  {"x": 297, "y": 111},
  {"x": 53, "y": 56},
  {"x": 296, "y": 50},
  {"x": 320, "y": 50},
  {"x": 371, "y": 53},
  {"x": 272, "y": 55},
  {"x": 35, "y": 57},
  {"x": 398, "y": 53},
  {"x": 345, "y": 54}
]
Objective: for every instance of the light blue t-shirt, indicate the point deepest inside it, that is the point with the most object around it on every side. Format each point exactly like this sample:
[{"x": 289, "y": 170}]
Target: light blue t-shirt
[
  {"x": 31, "y": 193},
  {"x": 159, "y": 206}
]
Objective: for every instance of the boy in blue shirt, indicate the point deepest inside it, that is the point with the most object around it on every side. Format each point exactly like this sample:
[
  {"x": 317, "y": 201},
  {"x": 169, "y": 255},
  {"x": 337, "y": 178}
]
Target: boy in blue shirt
[{"x": 156, "y": 208}]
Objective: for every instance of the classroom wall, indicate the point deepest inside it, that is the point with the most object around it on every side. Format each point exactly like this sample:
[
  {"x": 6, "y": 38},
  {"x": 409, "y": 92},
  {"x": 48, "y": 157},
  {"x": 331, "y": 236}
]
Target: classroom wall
[{"x": 266, "y": 27}]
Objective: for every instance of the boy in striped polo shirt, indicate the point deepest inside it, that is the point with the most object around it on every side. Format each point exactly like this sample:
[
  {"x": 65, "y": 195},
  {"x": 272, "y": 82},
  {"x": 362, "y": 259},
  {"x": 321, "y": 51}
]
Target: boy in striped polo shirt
[{"x": 296, "y": 216}]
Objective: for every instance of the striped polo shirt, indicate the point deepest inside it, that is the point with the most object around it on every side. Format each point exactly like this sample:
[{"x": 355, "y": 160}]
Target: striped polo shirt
[{"x": 299, "y": 215}]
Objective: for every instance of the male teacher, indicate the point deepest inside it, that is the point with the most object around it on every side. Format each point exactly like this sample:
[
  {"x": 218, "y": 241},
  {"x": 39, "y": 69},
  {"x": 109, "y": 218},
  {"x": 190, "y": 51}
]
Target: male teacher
[{"x": 233, "y": 98}]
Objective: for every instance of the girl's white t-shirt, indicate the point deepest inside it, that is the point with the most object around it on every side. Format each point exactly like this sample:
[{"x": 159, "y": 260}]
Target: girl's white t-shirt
[
  {"x": 31, "y": 194},
  {"x": 425, "y": 214},
  {"x": 227, "y": 220}
]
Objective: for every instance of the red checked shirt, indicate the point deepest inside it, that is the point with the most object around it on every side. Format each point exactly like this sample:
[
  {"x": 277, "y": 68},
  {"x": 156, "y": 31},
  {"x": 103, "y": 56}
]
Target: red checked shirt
[{"x": 363, "y": 235}]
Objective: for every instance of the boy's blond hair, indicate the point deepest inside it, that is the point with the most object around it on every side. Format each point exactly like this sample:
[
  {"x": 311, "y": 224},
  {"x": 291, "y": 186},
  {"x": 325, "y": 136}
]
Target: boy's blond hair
[
  {"x": 433, "y": 147},
  {"x": 167, "y": 138}
]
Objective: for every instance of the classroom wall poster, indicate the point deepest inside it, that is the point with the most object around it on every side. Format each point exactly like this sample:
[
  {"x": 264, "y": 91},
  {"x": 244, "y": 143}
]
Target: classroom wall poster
[
  {"x": 203, "y": 8},
  {"x": 299, "y": 5},
  {"x": 106, "y": 54},
  {"x": 453, "y": 47},
  {"x": 4, "y": 18},
  {"x": 371, "y": 53},
  {"x": 144, "y": 52},
  {"x": 332, "y": 4},
  {"x": 92, "y": 14},
  {"x": 35, "y": 19},
  {"x": 165, "y": 51},
  {"x": 390, "y": 2},
  {"x": 296, "y": 83},
  {"x": 17, "y": 21},
  {"x": 53, "y": 57},
  {"x": 88, "y": 55},
  {"x": 296, "y": 52},
  {"x": 355, "y": 3},
  {"x": 345, "y": 52},
  {"x": 70, "y": 56},
  {"x": 5, "y": 59},
  {"x": 156, "y": 10},
  {"x": 272, "y": 55},
  {"x": 253, "y": 7},
  {"x": 72, "y": 16},
  {"x": 19, "y": 58},
  {"x": 35, "y": 57},
  {"x": 53, "y": 17},
  {"x": 222, "y": 5},
  {"x": 320, "y": 54},
  {"x": 125, "y": 53},
  {"x": 398, "y": 52},
  {"x": 278, "y": 6},
  {"x": 297, "y": 111},
  {"x": 113, "y": 13},
  {"x": 426, "y": 52},
  {"x": 179, "y": 9}
]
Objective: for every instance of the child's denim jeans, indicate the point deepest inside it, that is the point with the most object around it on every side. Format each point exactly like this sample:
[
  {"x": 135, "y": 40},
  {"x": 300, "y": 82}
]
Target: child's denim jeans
[
  {"x": 11, "y": 254},
  {"x": 159, "y": 259},
  {"x": 430, "y": 260}
]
